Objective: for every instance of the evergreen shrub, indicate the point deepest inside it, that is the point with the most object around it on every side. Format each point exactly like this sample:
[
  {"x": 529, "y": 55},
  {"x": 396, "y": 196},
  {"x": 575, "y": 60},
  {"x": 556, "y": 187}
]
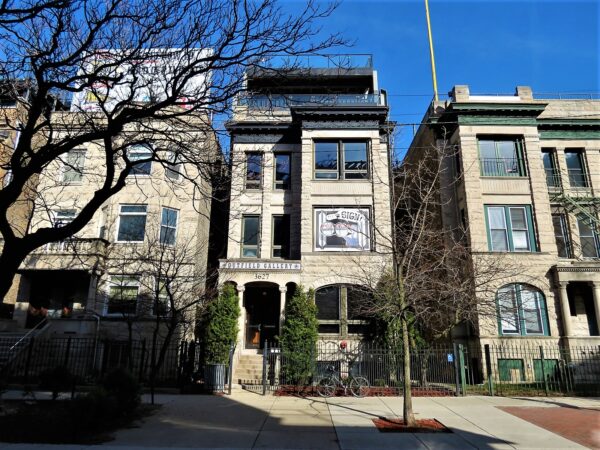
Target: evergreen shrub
[{"x": 221, "y": 326}]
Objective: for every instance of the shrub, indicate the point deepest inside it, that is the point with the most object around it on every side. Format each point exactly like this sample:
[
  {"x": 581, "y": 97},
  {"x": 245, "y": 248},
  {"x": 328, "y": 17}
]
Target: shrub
[
  {"x": 97, "y": 406},
  {"x": 125, "y": 389},
  {"x": 57, "y": 380},
  {"x": 299, "y": 337},
  {"x": 221, "y": 327}
]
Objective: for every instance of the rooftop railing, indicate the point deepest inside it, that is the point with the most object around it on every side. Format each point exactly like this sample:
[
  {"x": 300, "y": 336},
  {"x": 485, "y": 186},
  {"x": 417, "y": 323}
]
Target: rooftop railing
[
  {"x": 260, "y": 101},
  {"x": 322, "y": 61}
]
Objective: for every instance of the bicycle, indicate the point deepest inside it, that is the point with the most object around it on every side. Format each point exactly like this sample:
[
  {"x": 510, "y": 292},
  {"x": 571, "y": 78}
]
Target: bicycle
[{"x": 327, "y": 386}]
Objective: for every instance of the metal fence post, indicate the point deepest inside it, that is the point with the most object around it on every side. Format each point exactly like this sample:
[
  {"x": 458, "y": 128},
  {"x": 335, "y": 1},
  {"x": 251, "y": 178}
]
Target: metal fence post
[
  {"x": 230, "y": 369},
  {"x": 542, "y": 362},
  {"x": 28, "y": 361},
  {"x": 488, "y": 369},
  {"x": 264, "y": 368},
  {"x": 67, "y": 352},
  {"x": 463, "y": 381},
  {"x": 456, "y": 369},
  {"x": 142, "y": 357}
]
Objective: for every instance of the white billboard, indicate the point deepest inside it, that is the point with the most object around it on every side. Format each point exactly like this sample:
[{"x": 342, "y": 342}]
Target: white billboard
[
  {"x": 342, "y": 229},
  {"x": 140, "y": 80}
]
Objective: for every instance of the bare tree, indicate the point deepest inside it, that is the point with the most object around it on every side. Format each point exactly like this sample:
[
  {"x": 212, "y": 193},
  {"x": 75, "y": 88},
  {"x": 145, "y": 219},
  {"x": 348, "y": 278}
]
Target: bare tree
[
  {"x": 430, "y": 280},
  {"x": 139, "y": 73}
]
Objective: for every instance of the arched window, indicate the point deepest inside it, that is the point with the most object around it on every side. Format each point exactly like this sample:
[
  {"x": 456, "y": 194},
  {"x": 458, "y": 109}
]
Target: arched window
[
  {"x": 522, "y": 311},
  {"x": 340, "y": 309}
]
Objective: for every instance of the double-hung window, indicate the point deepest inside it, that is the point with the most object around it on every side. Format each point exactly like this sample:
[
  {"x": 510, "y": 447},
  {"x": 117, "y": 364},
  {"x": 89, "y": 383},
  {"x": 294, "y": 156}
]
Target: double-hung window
[
  {"x": 551, "y": 168},
  {"x": 253, "y": 170},
  {"x": 141, "y": 159},
  {"x": 63, "y": 217},
  {"x": 561, "y": 235},
  {"x": 161, "y": 303},
  {"x": 576, "y": 168},
  {"x": 510, "y": 228},
  {"x": 340, "y": 309},
  {"x": 282, "y": 170},
  {"x": 168, "y": 226},
  {"x": 73, "y": 166},
  {"x": 123, "y": 295},
  {"x": 281, "y": 236},
  {"x": 342, "y": 159},
  {"x": 250, "y": 236},
  {"x": 173, "y": 167},
  {"x": 501, "y": 158},
  {"x": 132, "y": 223},
  {"x": 588, "y": 237},
  {"x": 327, "y": 300},
  {"x": 521, "y": 310}
]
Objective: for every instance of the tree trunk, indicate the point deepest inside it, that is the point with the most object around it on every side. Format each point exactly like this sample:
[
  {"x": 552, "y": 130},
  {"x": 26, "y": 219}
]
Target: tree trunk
[
  {"x": 407, "y": 411},
  {"x": 424, "y": 368},
  {"x": 10, "y": 261}
]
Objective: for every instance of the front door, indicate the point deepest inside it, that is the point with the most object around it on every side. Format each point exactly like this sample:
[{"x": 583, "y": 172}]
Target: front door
[{"x": 262, "y": 314}]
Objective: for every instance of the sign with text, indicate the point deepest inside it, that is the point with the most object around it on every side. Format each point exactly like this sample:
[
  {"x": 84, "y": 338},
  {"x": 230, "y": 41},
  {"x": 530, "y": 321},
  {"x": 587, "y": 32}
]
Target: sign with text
[
  {"x": 342, "y": 229},
  {"x": 260, "y": 265}
]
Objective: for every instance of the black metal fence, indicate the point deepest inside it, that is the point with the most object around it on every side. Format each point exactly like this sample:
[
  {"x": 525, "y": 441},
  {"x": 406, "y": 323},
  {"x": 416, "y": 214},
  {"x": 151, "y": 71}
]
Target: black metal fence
[
  {"x": 440, "y": 370},
  {"x": 87, "y": 359}
]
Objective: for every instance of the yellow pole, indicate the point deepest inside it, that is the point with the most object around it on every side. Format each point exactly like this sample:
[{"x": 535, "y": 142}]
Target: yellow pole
[{"x": 433, "y": 75}]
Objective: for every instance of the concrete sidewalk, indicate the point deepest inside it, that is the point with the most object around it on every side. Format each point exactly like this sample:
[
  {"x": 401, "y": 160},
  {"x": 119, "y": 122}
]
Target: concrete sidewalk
[{"x": 245, "y": 420}]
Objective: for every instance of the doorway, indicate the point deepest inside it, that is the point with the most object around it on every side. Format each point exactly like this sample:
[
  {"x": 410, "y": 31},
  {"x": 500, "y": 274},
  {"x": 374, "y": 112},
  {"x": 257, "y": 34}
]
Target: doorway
[{"x": 261, "y": 301}]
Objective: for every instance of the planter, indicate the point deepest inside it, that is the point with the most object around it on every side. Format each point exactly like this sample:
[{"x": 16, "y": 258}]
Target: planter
[{"x": 214, "y": 377}]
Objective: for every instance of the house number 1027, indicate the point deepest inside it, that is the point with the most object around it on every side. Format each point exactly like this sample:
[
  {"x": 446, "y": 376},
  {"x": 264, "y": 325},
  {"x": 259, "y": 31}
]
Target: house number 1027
[{"x": 261, "y": 276}]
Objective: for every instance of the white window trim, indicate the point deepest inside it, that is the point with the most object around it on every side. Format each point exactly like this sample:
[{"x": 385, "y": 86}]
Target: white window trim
[
  {"x": 169, "y": 226},
  {"x": 119, "y": 223},
  {"x": 149, "y": 149}
]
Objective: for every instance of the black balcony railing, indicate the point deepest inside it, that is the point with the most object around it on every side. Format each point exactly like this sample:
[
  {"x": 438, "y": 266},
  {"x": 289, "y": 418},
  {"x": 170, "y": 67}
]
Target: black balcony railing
[
  {"x": 578, "y": 178},
  {"x": 502, "y": 167},
  {"x": 259, "y": 101},
  {"x": 553, "y": 179}
]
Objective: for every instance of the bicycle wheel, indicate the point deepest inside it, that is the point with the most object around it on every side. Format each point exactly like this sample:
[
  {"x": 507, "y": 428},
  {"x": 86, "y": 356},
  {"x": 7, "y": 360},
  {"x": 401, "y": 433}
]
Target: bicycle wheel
[
  {"x": 326, "y": 387},
  {"x": 359, "y": 386}
]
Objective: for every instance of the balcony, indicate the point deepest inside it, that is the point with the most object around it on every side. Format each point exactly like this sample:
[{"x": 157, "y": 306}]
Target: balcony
[
  {"x": 553, "y": 180},
  {"x": 265, "y": 102},
  {"x": 74, "y": 254},
  {"x": 502, "y": 167}
]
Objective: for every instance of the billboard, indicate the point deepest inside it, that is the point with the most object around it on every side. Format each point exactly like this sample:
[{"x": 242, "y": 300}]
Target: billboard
[
  {"x": 118, "y": 78},
  {"x": 342, "y": 229}
]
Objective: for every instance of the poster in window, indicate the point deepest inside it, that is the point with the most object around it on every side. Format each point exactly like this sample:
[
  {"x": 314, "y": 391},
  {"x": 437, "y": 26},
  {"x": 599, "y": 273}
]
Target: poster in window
[{"x": 342, "y": 229}]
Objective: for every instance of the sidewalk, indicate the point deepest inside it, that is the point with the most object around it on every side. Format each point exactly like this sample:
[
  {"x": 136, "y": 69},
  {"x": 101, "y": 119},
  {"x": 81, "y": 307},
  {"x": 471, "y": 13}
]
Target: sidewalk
[{"x": 245, "y": 420}]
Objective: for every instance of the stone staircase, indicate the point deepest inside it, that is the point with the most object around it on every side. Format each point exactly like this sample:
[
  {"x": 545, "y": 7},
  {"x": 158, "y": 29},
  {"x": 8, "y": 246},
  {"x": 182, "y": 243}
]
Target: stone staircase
[{"x": 248, "y": 370}]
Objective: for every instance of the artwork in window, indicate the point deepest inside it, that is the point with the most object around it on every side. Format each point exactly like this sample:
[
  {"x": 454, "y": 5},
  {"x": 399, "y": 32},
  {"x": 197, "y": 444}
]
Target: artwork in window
[
  {"x": 342, "y": 229},
  {"x": 132, "y": 223},
  {"x": 168, "y": 226}
]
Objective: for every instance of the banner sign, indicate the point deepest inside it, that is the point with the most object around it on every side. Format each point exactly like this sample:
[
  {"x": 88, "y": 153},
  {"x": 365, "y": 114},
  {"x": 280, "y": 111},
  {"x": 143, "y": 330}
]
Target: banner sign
[
  {"x": 342, "y": 229},
  {"x": 117, "y": 78},
  {"x": 260, "y": 265}
]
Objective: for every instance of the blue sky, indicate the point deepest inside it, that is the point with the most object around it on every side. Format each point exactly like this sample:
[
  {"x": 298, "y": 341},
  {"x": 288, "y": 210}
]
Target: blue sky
[{"x": 493, "y": 46}]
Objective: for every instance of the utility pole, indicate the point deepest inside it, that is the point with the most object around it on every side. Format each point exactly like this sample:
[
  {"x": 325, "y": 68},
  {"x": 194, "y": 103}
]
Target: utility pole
[{"x": 433, "y": 75}]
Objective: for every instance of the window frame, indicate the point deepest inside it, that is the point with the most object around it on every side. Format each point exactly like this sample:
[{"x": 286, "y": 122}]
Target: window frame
[
  {"x": 169, "y": 227},
  {"x": 173, "y": 166},
  {"x": 243, "y": 246},
  {"x": 565, "y": 234},
  {"x": 594, "y": 235},
  {"x": 533, "y": 248},
  {"x": 253, "y": 184},
  {"x": 585, "y": 174},
  {"x": 120, "y": 214},
  {"x": 133, "y": 149},
  {"x": 344, "y": 322},
  {"x": 555, "y": 177},
  {"x": 66, "y": 218},
  {"x": 68, "y": 167},
  {"x": 285, "y": 217},
  {"x": 280, "y": 185},
  {"x": 519, "y": 146},
  {"x": 156, "y": 298},
  {"x": 521, "y": 323},
  {"x": 112, "y": 284},
  {"x": 340, "y": 172}
]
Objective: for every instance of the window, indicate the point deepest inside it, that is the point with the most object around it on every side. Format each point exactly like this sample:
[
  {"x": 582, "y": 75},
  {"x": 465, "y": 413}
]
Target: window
[
  {"x": 561, "y": 235},
  {"x": 63, "y": 217},
  {"x": 510, "y": 228},
  {"x": 342, "y": 229},
  {"x": 576, "y": 169},
  {"x": 123, "y": 295},
  {"x": 281, "y": 236},
  {"x": 143, "y": 154},
  {"x": 588, "y": 237},
  {"x": 132, "y": 223},
  {"x": 253, "y": 170},
  {"x": 327, "y": 300},
  {"x": 282, "y": 170},
  {"x": 501, "y": 158},
  {"x": 73, "y": 168},
  {"x": 160, "y": 306},
  {"x": 521, "y": 310},
  {"x": 339, "y": 309},
  {"x": 173, "y": 167},
  {"x": 168, "y": 226},
  {"x": 346, "y": 160},
  {"x": 250, "y": 235},
  {"x": 550, "y": 167}
]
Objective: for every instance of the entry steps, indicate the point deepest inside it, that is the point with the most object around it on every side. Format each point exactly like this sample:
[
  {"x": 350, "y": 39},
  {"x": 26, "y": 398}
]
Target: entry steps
[{"x": 248, "y": 369}]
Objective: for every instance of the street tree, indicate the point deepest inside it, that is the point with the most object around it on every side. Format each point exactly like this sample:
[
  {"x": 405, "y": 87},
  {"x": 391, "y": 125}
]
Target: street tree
[{"x": 125, "y": 75}]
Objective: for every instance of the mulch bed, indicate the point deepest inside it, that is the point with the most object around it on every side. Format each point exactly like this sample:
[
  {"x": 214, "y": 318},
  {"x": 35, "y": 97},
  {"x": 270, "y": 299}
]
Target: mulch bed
[
  {"x": 310, "y": 391},
  {"x": 397, "y": 425}
]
